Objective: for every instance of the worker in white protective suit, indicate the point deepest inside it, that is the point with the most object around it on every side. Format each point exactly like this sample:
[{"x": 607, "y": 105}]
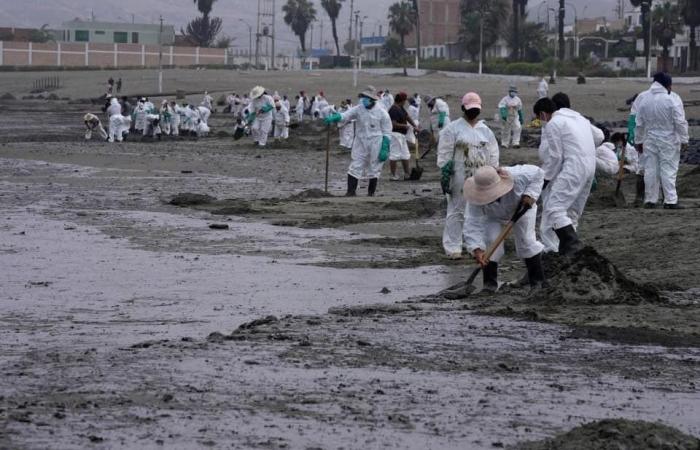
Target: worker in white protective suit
[
  {"x": 320, "y": 104},
  {"x": 606, "y": 162},
  {"x": 387, "y": 99},
  {"x": 439, "y": 115},
  {"x": 207, "y": 101},
  {"x": 661, "y": 134},
  {"x": 114, "y": 107},
  {"x": 175, "y": 117},
  {"x": 92, "y": 123},
  {"x": 568, "y": 156},
  {"x": 166, "y": 114},
  {"x": 119, "y": 126},
  {"x": 285, "y": 103},
  {"x": 281, "y": 120},
  {"x": 631, "y": 129},
  {"x": 510, "y": 109},
  {"x": 493, "y": 196},
  {"x": 543, "y": 88},
  {"x": 139, "y": 116},
  {"x": 200, "y": 115},
  {"x": 347, "y": 130},
  {"x": 261, "y": 116},
  {"x": 465, "y": 145},
  {"x": 372, "y": 140},
  {"x": 417, "y": 99},
  {"x": 414, "y": 114},
  {"x": 204, "y": 114}
]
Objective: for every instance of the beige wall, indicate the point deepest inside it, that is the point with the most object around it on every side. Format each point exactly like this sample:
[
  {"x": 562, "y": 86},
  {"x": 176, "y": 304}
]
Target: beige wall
[{"x": 105, "y": 55}]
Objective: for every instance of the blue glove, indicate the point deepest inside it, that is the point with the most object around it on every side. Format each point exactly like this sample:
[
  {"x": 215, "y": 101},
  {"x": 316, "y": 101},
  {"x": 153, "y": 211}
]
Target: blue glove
[
  {"x": 333, "y": 118},
  {"x": 384, "y": 152}
]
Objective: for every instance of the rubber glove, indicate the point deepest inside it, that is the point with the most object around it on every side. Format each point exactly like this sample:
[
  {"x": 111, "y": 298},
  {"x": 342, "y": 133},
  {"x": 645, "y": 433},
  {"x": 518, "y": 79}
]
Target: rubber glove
[
  {"x": 631, "y": 126},
  {"x": 441, "y": 119},
  {"x": 250, "y": 117},
  {"x": 446, "y": 173},
  {"x": 504, "y": 113},
  {"x": 520, "y": 117},
  {"x": 266, "y": 108},
  {"x": 384, "y": 152},
  {"x": 333, "y": 118}
]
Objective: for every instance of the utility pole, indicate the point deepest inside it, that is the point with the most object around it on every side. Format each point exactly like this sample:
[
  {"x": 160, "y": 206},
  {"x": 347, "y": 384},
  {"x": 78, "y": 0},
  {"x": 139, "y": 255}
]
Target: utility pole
[
  {"x": 160, "y": 57},
  {"x": 257, "y": 38},
  {"x": 272, "y": 36},
  {"x": 320, "y": 37},
  {"x": 562, "y": 44},
  {"x": 266, "y": 14},
  {"x": 352, "y": 11},
  {"x": 417, "y": 8},
  {"x": 481, "y": 43},
  {"x": 355, "y": 68}
]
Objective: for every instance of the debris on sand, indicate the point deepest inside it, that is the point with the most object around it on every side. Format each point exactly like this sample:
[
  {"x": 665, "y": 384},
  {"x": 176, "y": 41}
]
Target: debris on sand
[
  {"x": 219, "y": 226},
  {"x": 618, "y": 434},
  {"x": 689, "y": 184},
  {"x": 233, "y": 207},
  {"x": 372, "y": 310},
  {"x": 589, "y": 278},
  {"x": 310, "y": 194},
  {"x": 7, "y": 96},
  {"x": 189, "y": 199}
]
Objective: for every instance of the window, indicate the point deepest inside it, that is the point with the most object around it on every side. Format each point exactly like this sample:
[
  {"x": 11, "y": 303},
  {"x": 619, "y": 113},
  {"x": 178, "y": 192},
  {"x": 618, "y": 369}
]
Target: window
[
  {"x": 134, "y": 38},
  {"x": 121, "y": 37},
  {"x": 82, "y": 36},
  {"x": 99, "y": 32}
]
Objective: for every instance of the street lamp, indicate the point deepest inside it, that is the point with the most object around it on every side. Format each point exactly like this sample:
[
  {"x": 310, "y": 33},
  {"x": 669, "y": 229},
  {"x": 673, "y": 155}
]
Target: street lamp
[
  {"x": 250, "y": 42},
  {"x": 575, "y": 29}
]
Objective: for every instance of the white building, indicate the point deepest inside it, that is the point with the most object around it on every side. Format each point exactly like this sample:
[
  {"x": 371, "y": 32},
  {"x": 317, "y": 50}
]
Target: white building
[{"x": 114, "y": 33}]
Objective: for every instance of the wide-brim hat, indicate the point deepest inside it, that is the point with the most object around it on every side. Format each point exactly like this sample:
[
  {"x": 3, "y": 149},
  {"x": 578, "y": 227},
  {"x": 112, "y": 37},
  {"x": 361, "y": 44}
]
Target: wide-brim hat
[
  {"x": 513, "y": 89},
  {"x": 427, "y": 99},
  {"x": 487, "y": 185},
  {"x": 370, "y": 92},
  {"x": 87, "y": 117},
  {"x": 256, "y": 92}
]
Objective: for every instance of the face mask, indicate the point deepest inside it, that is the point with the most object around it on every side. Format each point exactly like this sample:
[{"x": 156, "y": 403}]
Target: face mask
[
  {"x": 471, "y": 114},
  {"x": 367, "y": 102},
  {"x": 512, "y": 94}
]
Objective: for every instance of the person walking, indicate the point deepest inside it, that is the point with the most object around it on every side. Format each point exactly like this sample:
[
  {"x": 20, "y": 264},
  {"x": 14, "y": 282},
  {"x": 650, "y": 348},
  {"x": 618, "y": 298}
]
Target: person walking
[
  {"x": 402, "y": 124},
  {"x": 511, "y": 111},
  {"x": 465, "y": 145},
  {"x": 439, "y": 115},
  {"x": 261, "y": 106}
]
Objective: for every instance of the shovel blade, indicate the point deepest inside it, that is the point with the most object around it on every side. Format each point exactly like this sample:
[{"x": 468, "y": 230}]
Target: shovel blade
[
  {"x": 416, "y": 174},
  {"x": 620, "y": 201},
  {"x": 238, "y": 133}
]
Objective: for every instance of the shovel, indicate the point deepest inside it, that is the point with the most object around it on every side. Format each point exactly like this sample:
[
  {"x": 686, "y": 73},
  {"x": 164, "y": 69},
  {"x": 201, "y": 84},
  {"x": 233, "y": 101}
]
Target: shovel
[
  {"x": 505, "y": 232},
  {"x": 620, "y": 200},
  {"x": 417, "y": 171},
  {"x": 328, "y": 154}
]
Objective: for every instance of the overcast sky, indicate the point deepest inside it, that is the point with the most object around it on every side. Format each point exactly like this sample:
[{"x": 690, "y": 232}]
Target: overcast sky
[{"x": 34, "y": 13}]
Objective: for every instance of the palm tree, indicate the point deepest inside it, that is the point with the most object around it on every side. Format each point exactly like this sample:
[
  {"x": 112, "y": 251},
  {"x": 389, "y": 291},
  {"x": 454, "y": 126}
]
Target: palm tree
[
  {"x": 204, "y": 6},
  {"x": 402, "y": 19},
  {"x": 493, "y": 13},
  {"x": 299, "y": 14},
  {"x": 332, "y": 8},
  {"x": 667, "y": 24},
  {"x": 690, "y": 11},
  {"x": 646, "y": 8},
  {"x": 562, "y": 43},
  {"x": 518, "y": 18},
  {"x": 415, "y": 7}
]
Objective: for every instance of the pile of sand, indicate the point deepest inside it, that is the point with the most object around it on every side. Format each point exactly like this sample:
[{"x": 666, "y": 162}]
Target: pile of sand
[
  {"x": 190, "y": 199},
  {"x": 616, "y": 434},
  {"x": 591, "y": 279},
  {"x": 7, "y": 96}
]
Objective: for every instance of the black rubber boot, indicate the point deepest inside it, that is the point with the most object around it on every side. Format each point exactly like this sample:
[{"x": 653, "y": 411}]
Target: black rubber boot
[
  {"x": 535, "y": 271},
  {"x": 639, "y": 196},
  {"x": 490, "y": 277},
  {"x": 352, "y": 186},
  {"x": 568, "y": 241},
  {"x": 372, "y": 188}
]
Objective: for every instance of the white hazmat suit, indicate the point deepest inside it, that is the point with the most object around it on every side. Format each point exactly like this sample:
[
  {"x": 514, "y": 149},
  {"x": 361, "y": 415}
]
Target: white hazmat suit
[
  {"x": 371, "y": 126},
  {"x": 568, "y": 154},
  {"x": 281, "y": 119},
  {"x": 483, "y": 224},
  {"x": 661, "y": 129},
  {"x": 511, "y": 110},
  {"x": 438, "y": 111},
  {"x": 260, "y": 129},
  {"x": 118, "y": 126},
  {"x": 542, "y": 88},
  {"x": 470, "y": 148}
]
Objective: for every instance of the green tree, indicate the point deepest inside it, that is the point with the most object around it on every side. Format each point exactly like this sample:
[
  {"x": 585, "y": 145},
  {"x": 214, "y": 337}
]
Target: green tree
[
  {"x": 493, "y": 13},
  {"x": 41, "y": 35},
  {"x": 202, "y": 31},
  {"x": 332, "y": 8},
  {"x": 299, "y": 14},
  {"x": 402, "y": 20},
  {"x": 393, "y": 51},
  {"x": 690, "y": 12},
  {"x": 518, "y": 18},
  {"x": 666, "y": 24},
  {"x": 531, "y": 43}
]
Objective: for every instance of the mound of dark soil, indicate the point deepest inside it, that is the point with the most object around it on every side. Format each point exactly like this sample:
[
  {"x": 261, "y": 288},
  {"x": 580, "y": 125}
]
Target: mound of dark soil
[
  {"x": 422, "y": 206},
  {"x": 189, "y": 199},
  {"x": 688, "y": 185},
  {"x": 310, "y": 194},
  {"x": 8, "y": 96},
  {"x": 233, "y": 207},
  {"x": 589, "y": 278},
  {"x": 616, "y": 434}
]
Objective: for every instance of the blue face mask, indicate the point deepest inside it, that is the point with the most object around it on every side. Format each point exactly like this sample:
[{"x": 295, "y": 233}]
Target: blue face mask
[
  {"x": 512, "y": 94},
  {"x": 367, "y": 102}
]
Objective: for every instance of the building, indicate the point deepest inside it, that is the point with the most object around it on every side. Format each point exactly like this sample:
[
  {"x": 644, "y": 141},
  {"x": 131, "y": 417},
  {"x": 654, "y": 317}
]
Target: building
[
  {"x": 372, "y": 48},
  {"x": 439, "y": 29},
  {"x": 114, "y": 33},
  {"x": 598, "y": 24}
]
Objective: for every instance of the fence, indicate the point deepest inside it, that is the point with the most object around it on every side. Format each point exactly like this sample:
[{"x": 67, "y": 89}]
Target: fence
[
  {"x": 43, "y": 84},
  {"x": 71, "y": 54}
]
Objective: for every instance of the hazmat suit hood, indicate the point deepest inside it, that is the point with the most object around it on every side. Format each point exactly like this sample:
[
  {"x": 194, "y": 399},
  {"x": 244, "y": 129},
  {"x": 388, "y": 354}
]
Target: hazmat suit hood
[{"x": 657, "y": 87}]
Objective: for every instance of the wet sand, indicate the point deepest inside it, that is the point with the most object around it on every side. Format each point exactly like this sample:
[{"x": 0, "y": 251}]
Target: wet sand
[{"x": 124, "y": 315}]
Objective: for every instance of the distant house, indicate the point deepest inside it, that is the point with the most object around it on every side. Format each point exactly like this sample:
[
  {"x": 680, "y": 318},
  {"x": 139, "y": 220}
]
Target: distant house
[
  {"x": 114, "y": 33},
  {"x": 371, "y": 48}
]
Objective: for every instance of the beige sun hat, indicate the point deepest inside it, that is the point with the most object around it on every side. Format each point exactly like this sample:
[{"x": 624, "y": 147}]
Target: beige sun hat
[
  {"x": 256, "y": 92},
  {"x": 370, "y": 92},
  {"x": 87, "y": 117},
  {"x": 487, "y": 185}
]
